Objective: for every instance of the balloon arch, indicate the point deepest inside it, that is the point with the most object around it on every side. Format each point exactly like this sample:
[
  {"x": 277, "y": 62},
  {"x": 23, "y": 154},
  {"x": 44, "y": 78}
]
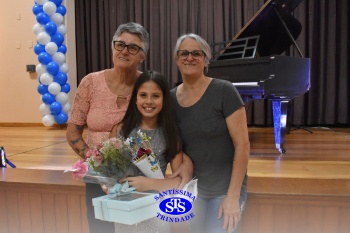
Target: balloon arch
[{"x": 52, "y": 68}]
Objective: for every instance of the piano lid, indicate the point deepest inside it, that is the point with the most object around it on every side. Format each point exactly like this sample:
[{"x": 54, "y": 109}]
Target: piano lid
[{"x": 275, "y": 25}]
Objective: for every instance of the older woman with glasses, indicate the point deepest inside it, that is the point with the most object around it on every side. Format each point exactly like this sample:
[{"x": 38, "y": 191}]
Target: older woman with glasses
[
  {"x": 212, "y": 119},
  {"x": 101, "y": 101}
]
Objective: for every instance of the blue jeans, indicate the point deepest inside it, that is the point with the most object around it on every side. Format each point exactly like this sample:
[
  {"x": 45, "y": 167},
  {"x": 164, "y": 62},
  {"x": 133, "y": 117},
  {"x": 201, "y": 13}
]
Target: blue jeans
[{"x": 206, "y": 215}]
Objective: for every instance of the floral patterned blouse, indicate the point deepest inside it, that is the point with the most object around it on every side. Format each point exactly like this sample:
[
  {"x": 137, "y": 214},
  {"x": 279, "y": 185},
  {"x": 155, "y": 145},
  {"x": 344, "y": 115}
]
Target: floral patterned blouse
[{"x": 96, "y": 106}]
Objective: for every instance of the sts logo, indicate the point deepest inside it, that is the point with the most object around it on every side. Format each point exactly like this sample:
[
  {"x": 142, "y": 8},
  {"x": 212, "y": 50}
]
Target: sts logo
[{"x": 175, "y": 206}]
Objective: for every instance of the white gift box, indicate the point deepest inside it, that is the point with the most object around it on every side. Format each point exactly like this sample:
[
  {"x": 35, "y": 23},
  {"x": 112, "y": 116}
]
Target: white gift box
[{"x": 126, "y": 209}]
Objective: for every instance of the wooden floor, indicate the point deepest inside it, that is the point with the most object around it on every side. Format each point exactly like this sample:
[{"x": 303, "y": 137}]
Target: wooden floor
[
  {"x": 322, "y": 154},
  {"x": 306, "y": 190}
]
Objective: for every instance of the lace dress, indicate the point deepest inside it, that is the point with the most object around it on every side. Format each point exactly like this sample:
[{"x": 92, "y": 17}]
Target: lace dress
[
  {"x": 153, "y": 225},
  {"x": 96, "y": 106}
]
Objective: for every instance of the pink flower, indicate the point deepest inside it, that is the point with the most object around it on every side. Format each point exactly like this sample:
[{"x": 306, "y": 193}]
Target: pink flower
[
  {"x": 92, "y": 152},
  {"x": 82, "y": 169},
  {"x": 118, "y": 144},
  {"x": 97, "y": 159}
]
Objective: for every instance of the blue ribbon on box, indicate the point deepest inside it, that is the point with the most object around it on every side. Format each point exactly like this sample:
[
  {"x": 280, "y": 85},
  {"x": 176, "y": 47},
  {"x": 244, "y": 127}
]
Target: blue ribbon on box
[
  {"x": 116, "y": 190},
  {"x": 120, "y": 189},
  {"x": 105, "y": 212}
]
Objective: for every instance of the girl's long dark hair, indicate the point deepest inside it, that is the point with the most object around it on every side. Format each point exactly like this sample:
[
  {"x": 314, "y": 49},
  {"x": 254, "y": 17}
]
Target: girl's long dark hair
[{"x": 166, "y": 119}]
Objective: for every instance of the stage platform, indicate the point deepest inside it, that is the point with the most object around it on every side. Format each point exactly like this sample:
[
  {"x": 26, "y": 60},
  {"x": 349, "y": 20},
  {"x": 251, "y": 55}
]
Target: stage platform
[{"x": 305, "y": 190}]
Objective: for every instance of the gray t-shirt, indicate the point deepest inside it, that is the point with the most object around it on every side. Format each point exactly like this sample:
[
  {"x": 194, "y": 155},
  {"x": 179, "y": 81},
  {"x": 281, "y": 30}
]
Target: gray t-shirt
[{"x": 206, "y": 137}]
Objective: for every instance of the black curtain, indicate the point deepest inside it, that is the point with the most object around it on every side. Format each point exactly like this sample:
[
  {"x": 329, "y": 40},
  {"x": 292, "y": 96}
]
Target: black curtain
[{"x": 324, "y": 39}]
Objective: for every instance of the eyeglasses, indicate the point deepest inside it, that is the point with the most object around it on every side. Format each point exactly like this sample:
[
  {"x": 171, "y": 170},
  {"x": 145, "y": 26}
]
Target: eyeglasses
[
  {"x": 132, "y": 48},
  {"x": 196, "y": 54}
]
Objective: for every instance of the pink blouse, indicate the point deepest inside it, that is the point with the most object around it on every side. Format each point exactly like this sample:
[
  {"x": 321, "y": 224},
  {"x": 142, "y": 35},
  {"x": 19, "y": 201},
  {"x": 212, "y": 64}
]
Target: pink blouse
[{"x": 96, "y": 106}]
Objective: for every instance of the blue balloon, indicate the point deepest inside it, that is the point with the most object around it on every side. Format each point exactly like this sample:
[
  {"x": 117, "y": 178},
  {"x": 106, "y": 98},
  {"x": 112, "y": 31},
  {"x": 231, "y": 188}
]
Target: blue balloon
[
  {"x": 57, "y": 38},
  {"x": 48, "y": 98},
  {"x": 55, "y": 107},
  {"x": 39, "y": 48},
  {"x": 65, "y": 88},
  {"x": 62, "y": 10},
  {"x": 44, "y": 58},
  {"x": 42, "y": 18},
  {"x": 62, "y": 48},
  {"x": 61, "y": 118},
  {"x": 37, "y": 9},
  {"x": 52, "y": 68},
  {"x": 57, "y": 2},
  {"x": 42, "y": 89},
  {"x": 50, "y": 28},
  {"x": 60, "y": 78}
]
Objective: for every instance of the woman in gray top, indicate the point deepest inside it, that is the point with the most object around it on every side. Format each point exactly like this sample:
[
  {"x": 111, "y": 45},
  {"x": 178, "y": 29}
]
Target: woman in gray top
[{"x": 212, "y": 119}]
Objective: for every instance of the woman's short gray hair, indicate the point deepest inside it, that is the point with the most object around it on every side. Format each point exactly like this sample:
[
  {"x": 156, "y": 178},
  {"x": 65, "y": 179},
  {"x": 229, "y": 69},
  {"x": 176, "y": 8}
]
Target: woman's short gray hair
[
  {"x": 201, "y": 42},
  {"x": 136, "y": 29}
]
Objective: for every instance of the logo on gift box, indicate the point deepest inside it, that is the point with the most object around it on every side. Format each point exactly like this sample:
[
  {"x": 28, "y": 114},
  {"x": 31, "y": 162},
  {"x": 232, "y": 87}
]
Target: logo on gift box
[{"x": 175, "y": 206}]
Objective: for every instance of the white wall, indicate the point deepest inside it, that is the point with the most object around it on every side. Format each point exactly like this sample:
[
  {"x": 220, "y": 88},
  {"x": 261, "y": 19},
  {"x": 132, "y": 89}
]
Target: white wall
[{"x": 19, "y": 99}]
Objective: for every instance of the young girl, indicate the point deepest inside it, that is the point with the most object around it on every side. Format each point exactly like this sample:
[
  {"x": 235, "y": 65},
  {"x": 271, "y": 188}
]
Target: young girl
[{"x": 150, "y": 110}]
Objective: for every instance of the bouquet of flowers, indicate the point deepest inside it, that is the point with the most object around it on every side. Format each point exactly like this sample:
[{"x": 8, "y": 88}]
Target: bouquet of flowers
[
  {"x": 143, "y": 157},
  {"x": 116, "y": 158},
  {"x": 108, "y": 159},
  {"x": 108, "y": 163}
]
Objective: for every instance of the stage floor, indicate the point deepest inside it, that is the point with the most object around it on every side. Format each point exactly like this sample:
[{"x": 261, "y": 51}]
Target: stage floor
[
  {"x": 322, "y": 154},
  {"x": 305, "y": 190}
]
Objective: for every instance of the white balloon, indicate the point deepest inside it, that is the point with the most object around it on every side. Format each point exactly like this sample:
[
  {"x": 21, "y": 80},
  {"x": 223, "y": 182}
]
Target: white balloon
[
  {"x": 59, "y": 57},
  {"x": 66, "y": 108},
  {"x": 49, "y": 8},
  {"x": 51, "y": 48},
  {"x": 40, "y": 69},
  {"x": 43, "y": 38},
  {"x": 45, "y": 109},
  {"x": 64, "y": 68},
  {"x": 48, "y": 120},
  {"x": 46, "y": 79},
  {"x": 62, "y": 29},
  {"x": 62, "y": 97},
  {"x": 54, "y": 88},
  {"x": 41, "y": 2},
  {"x": 37, "y": 28},
  {"x": 57, "y": 18}
]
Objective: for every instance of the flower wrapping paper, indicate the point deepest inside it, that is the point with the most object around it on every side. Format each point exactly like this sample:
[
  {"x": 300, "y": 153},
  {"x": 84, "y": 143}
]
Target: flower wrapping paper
[
  {"x": 148, "y": 169},
  {"x": 143, "y": 156}
]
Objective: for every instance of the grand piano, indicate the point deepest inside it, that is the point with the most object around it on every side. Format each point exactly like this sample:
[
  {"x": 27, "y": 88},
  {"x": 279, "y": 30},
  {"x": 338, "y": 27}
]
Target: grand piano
[{"x": 252, "y": 61}]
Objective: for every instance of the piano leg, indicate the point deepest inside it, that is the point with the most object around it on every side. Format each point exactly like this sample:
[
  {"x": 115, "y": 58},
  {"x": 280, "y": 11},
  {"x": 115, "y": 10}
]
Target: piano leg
[{"x": 279, "y": 108}]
